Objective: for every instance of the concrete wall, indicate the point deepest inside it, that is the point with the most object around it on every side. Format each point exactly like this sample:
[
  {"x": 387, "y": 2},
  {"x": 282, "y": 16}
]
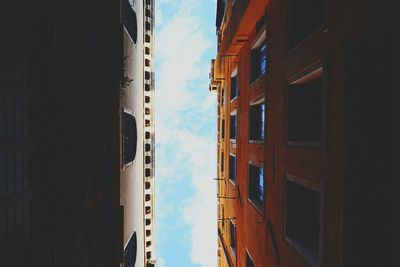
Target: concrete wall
[{"x": 133, "y": 98}]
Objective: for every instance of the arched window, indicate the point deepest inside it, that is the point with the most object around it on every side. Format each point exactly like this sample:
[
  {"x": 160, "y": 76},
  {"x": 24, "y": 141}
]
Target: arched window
[
  {"x": 130, "y": 20},
  {"x": 130, "y": 252},
  {"x": 129, "y": 137}
]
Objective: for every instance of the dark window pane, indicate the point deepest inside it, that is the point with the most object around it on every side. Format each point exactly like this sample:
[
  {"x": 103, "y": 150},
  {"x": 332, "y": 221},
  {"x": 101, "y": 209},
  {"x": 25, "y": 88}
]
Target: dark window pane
[
  {"x": 131, "y": 251},
  {"x": 232, "y": 168},
  {"x": 233, "y": 126},
  {"x": 129, "y": 138},
  {"x": 305, "y": 111},
  {"x": 302, "y": 219},
  {"x": 234, "y": 87},
  {"x": 258, "y": 61},
  {"x": 257, "y": 121},
  {"x": 249, "y": 262},
  {"x": 305, "y": 16},
  {"x": 232, "y": 230},
  {"x": 263, "y": 59},
  {"x": 130, "y": 20},
  {"x": 256, "y": 185}
]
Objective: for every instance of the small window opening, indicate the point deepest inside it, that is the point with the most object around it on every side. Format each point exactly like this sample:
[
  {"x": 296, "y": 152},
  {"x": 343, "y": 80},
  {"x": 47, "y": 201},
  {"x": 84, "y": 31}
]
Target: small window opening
[
  {"x": 256, "y": 186},
  {"x": 232, "y": 168},
  {"x": 234, "y": 85},
  {"x": 232, "y": 233},
  {"x": 233, "y": 126},
  {"x": 257, "y": 122},
  {"x": 258, "y": 59}
]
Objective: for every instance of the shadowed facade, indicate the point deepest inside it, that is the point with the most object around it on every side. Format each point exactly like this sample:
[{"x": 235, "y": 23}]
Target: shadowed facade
[{"x": 307, "y": 150}]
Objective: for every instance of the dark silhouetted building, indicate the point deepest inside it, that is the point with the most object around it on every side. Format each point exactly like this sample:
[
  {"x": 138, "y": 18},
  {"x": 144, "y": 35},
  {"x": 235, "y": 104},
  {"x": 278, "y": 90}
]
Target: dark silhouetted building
[{"x": 67, "y": 76}]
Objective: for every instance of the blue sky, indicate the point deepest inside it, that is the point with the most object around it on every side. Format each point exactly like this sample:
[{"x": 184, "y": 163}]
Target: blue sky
[{"x": 186, "y": 209}]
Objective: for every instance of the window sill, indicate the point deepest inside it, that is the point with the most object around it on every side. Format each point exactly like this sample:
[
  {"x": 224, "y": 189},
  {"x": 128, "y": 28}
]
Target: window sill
[
  {"x": 257, "y": 208},
  {"x": 256, "y": 81},
  {"x": 125, "y": 166},
  {"x": 233, "y": 252},
  {"x": 257, "y": 142},
  {"x": 303, "y": 251}
]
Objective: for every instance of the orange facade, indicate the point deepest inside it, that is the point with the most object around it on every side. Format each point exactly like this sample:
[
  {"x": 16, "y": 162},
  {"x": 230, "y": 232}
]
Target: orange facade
[{"x": 293, "y": 103}]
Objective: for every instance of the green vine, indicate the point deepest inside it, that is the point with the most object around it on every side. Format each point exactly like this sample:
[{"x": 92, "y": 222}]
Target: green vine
[{"x": 125, "y": 80}]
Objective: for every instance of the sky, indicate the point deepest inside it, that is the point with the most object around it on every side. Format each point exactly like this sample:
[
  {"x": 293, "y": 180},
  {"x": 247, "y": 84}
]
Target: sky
[{"x": 186, "y": 203}]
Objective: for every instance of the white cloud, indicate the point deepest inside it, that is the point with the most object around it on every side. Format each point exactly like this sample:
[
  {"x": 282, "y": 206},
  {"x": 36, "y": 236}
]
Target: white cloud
[{"x": 184, "y": 107}]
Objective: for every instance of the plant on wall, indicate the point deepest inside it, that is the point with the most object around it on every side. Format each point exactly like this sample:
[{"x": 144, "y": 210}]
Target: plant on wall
[{"x": 125, "y": 80}]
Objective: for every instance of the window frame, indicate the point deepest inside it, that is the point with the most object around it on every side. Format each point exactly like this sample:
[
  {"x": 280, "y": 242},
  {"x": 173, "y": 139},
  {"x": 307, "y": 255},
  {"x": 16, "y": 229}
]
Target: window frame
[
  {"x": 233, "y": 249},
  {"x": 248, "y": 256},
  {"x": 130, "y": 112},
  {"x": 261, "y": 39},
  {"x": 234, "y": 74},
  {"x": 258, "y": 101},
  {"x": 125, "y": 10},
  {"x": 251, "y": 201},
  {"x": 313, "y": 71},
  {"x": 233, "y": 113},
  {"x": 131, "y": 244},
  {"x": 233, "y": 182},
  {"x": 293, "y": 244}
]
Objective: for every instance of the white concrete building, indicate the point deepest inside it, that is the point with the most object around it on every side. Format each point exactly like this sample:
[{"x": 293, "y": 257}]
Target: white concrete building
[{"x": 137, "y": 134}]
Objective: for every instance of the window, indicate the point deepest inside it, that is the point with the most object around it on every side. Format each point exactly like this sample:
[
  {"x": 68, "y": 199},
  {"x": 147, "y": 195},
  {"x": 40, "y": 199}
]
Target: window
[
  {"x": 234, "y": 85},
  {"x": 129, "y": 137},
  {"x": 304, "y": 124},
  {"x": 249, "y": 262},
  {"x": 232, "y": 233},
  {"x": 304, "y": 18},
  {"x": 130, "y": 251},
  {"x": 256, "y": 186},
  {"x": 222, "y": 161},
  {"x": 221, "y": 10},
  {"x": 258, "y": 58},
  {"x": 223, "y": 129},
  {"x": 232, "y": 168},
  {"x": 302, "y": 215},
  {"x": 233, "y": 126},
  {"x": 257, "y": 121},
  {"x": 130, "y": 20}
]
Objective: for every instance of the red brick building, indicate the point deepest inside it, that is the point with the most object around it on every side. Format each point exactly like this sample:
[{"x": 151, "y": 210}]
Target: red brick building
[{"x": 306, "y": 139}]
